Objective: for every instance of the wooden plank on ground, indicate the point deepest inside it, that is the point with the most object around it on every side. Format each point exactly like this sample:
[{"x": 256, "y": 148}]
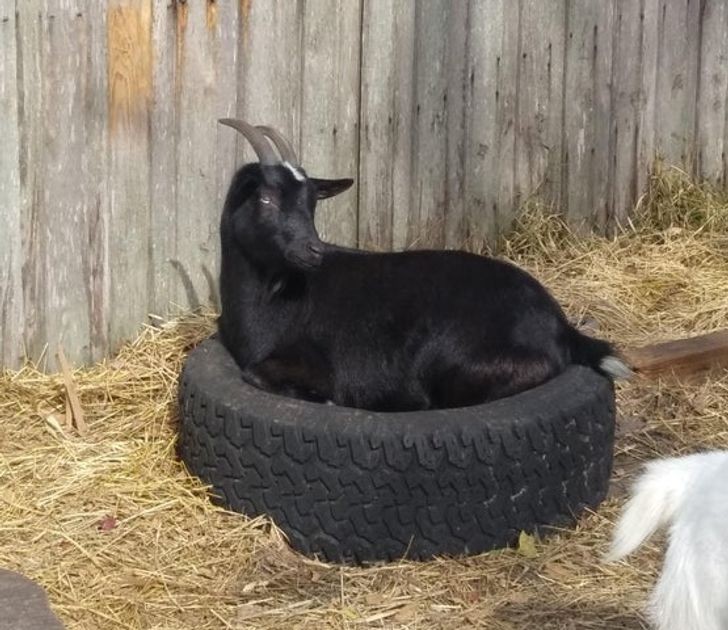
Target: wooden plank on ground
[
  {"x": 73, "y": 402},
  {"x": 11, "y": 249},
  {"x": 330, "y": 109},
  {"x": 385, "y": 144},
  {"x": 683, "y": 356}
]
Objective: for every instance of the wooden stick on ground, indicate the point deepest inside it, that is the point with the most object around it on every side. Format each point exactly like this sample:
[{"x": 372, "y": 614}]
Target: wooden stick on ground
[
  {"x": 68, "y": 416},
  {"x": 682, "y": 356},
  {"x": 71, "y": 393}
]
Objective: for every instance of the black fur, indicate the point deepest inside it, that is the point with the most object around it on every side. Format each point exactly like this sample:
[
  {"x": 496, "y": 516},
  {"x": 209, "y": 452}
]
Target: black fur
[{"x": 387, "y": 332}]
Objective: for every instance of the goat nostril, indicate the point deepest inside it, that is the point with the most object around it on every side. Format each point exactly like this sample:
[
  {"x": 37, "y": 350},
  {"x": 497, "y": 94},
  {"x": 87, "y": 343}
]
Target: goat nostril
[{"x": 315, "y": 249}]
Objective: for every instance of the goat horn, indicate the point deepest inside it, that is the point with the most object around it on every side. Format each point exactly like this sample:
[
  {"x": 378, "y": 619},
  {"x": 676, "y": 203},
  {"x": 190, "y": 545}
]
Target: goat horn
[
  {"x": 284, "y": 147},
  {"x": 257, "y": 140}
]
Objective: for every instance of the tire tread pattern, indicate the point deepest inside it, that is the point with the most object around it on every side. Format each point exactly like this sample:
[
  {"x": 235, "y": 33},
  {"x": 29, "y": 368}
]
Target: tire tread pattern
[{"x": 347, "y": 496}]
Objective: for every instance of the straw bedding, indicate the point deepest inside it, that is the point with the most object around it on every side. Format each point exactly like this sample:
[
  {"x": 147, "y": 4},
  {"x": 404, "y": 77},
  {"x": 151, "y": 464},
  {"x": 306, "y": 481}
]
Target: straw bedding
[{"x": 121, "y": 537}]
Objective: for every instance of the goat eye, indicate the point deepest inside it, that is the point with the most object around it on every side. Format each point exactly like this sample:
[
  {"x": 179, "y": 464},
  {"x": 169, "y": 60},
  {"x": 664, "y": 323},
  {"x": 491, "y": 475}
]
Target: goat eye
[{"x": 265, "y": 199}]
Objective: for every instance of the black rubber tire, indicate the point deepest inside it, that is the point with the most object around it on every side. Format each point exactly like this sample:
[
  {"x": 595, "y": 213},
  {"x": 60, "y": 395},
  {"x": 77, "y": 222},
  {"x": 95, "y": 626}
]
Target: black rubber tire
[{"x": 350, "y": 485}]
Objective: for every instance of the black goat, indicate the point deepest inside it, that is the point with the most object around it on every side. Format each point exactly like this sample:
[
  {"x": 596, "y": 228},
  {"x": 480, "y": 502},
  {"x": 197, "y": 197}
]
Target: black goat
[{"x": 388, "y": 332}]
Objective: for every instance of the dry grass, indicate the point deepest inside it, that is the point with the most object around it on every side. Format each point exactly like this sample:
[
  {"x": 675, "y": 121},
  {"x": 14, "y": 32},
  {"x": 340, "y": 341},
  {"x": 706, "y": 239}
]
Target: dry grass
[{"x": 122, "y": 537}]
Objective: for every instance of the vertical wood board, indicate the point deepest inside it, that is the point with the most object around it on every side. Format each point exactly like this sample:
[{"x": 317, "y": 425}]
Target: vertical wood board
[
  {"x": 490, "y": 130},
  {"x": 628, "y": 103},
  {"x": 540, "y": 92},
  {"x": 385, "y": 145},
  {"x": 11, "y": 290},
  {"x": 712, "y": 97},
  {"x": 58, "y": 222},
  {"x": 330, "y": 109},
  {"x": 677, "y": 79},
  {"x": 428, "y": 195},
  {"x": 166, "y": 287},
  {"x": 587, "y": 113},
  {"x": 206, "y": 89},
  {"x": 457, "y": 112}
]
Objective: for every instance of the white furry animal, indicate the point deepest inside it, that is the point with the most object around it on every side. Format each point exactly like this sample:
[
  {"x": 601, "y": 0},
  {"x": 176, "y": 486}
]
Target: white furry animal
[{"x": 690, "y": 494}]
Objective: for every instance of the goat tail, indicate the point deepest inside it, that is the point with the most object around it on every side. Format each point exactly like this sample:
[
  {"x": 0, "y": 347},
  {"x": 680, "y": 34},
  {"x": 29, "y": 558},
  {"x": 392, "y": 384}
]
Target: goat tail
[
  {"x": 656, "y": 497},
  {"x": 598, "y": 354}
]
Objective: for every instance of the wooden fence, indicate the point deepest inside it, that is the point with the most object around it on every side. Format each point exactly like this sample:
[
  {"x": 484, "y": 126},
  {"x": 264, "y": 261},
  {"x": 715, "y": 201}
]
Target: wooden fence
[{"x": 448, "y": 112}]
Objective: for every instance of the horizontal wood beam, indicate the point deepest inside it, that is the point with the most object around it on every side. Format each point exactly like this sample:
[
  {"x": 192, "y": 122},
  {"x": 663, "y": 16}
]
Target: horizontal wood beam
[{"x": 682, "y": 356}]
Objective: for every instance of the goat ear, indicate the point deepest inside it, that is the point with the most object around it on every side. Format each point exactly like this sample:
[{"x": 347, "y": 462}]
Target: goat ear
[{"x": 326, "y": 188}]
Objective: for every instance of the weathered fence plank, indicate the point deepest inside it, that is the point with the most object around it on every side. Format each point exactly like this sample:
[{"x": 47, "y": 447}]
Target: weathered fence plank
[
  {"x": 11, "y": 288},
  {"x": 166, "y": 286},
  {"x": 677, "y": 79},
  {"x": 647, "y": 113},
  {"x": 385, "y": 146},
  {"x": 712, "y": 107},
  {"x": 330, "y": 109},
  {"x": 269, "y": 73},
  {"x": 31, "y": 129},
  {"x": 490, "y": 145},
  {"x": 97, "y": 191},
  {"x": 627, "y": 103},
  {"x": 428, "y": 199},
  {"x": 458, "y": 38},
  {"x": 129, "y": 30},
  {"x": 206, "y": 90},
  {"x": 57, "y": 223},
  {"x": 539, "y": 131},
  {"x": 506, "y": 110},
  {"x": 587, "y": 111}
]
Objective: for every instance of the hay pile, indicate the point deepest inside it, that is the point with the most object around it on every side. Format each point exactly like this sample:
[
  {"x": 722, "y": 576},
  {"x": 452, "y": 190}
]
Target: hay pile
[{"x": 122, "y": 537}]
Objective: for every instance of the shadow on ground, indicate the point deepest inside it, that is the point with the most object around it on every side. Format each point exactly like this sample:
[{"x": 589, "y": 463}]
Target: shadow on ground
[{"x": 584, "y": 615}]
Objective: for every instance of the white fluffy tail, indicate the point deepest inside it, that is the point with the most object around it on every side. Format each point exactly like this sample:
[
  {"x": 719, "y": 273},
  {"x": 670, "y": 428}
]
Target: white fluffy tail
[
  {"x": 689, "y": 493},
  {"x": 656, "y": 497}
]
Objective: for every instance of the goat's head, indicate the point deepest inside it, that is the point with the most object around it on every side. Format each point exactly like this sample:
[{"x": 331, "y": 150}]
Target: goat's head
[{"x": 270, "y": 206}]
